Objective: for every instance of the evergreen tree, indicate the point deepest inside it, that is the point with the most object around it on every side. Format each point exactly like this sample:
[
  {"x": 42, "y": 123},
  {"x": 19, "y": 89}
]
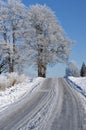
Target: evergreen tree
[{"x": 83, "y": 70}]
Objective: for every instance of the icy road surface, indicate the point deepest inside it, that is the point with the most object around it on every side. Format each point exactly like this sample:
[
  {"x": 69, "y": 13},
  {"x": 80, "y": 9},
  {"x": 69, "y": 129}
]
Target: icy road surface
[{"x": 54, "y": 106}]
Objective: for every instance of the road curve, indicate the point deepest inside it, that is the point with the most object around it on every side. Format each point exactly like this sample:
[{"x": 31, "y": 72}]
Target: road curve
[{"x": 54, "y": 106}]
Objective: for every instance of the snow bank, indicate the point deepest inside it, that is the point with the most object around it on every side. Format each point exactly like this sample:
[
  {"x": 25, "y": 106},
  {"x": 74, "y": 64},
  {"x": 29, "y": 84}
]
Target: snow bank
[
  {"x": 10, "y": 95},
  {"x": 79, "y": 83}
]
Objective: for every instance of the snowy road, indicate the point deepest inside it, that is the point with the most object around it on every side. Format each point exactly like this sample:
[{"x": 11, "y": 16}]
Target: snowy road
[{"x": 54, "y": 106}]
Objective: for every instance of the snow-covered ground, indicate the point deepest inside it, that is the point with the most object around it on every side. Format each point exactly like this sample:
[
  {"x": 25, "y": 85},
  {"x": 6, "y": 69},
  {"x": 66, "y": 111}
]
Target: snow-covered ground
[
  {"x": 78, "y": 83},
  {"x": 14, "y": 93},
  {"x": 47, "y": 109}
]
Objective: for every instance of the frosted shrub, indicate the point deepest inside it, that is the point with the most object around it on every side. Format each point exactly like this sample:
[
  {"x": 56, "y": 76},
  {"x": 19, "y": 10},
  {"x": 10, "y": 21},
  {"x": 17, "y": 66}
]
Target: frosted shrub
[
  {"x": 15, "y": 78},
  {"x": 4, "y": 82},
  {"x": 10, "y": 79}
]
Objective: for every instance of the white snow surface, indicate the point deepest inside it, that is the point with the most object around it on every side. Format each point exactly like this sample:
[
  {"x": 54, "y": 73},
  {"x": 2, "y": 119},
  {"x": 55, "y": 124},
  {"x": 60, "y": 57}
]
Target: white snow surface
[
  {"x": 11, "y": 95},
  {"x": 80, "y": 81}
]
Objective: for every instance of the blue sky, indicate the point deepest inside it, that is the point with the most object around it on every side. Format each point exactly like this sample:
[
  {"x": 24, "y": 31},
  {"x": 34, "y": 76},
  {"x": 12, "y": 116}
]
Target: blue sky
[{"x": 72, "y": 17}]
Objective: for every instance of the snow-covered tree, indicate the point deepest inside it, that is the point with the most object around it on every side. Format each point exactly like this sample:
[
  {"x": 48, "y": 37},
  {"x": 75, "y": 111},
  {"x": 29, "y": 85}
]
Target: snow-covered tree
[
  {"x": 83, "y": 70},
  {"x": 72, "y": 69},
  {"x": 46, "y": 38},
  {"x": 3, "y": 20},
  {"x": 12, "y": 16}
]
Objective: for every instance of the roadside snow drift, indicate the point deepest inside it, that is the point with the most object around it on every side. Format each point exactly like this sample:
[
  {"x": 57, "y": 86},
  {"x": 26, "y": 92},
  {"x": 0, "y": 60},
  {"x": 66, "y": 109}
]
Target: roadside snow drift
[
  {"x": 79, "y": 83},
  {"x": 10, "y": 95}
]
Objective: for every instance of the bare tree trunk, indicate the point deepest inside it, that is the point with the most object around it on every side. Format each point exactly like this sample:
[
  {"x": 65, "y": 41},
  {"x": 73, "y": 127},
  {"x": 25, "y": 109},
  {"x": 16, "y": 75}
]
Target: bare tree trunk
[
  {"x": 13, "y": 55},
  {"x": 10, "y": 68},
  {"x": 41, "y": 70},
  {"x": 9, "y": 61},
  {"x": 42, "y": 67},
  {"x": 11, "y": 58},
  {"x": 5, "y": 34},
  {"x": 12, "y": 62}
]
